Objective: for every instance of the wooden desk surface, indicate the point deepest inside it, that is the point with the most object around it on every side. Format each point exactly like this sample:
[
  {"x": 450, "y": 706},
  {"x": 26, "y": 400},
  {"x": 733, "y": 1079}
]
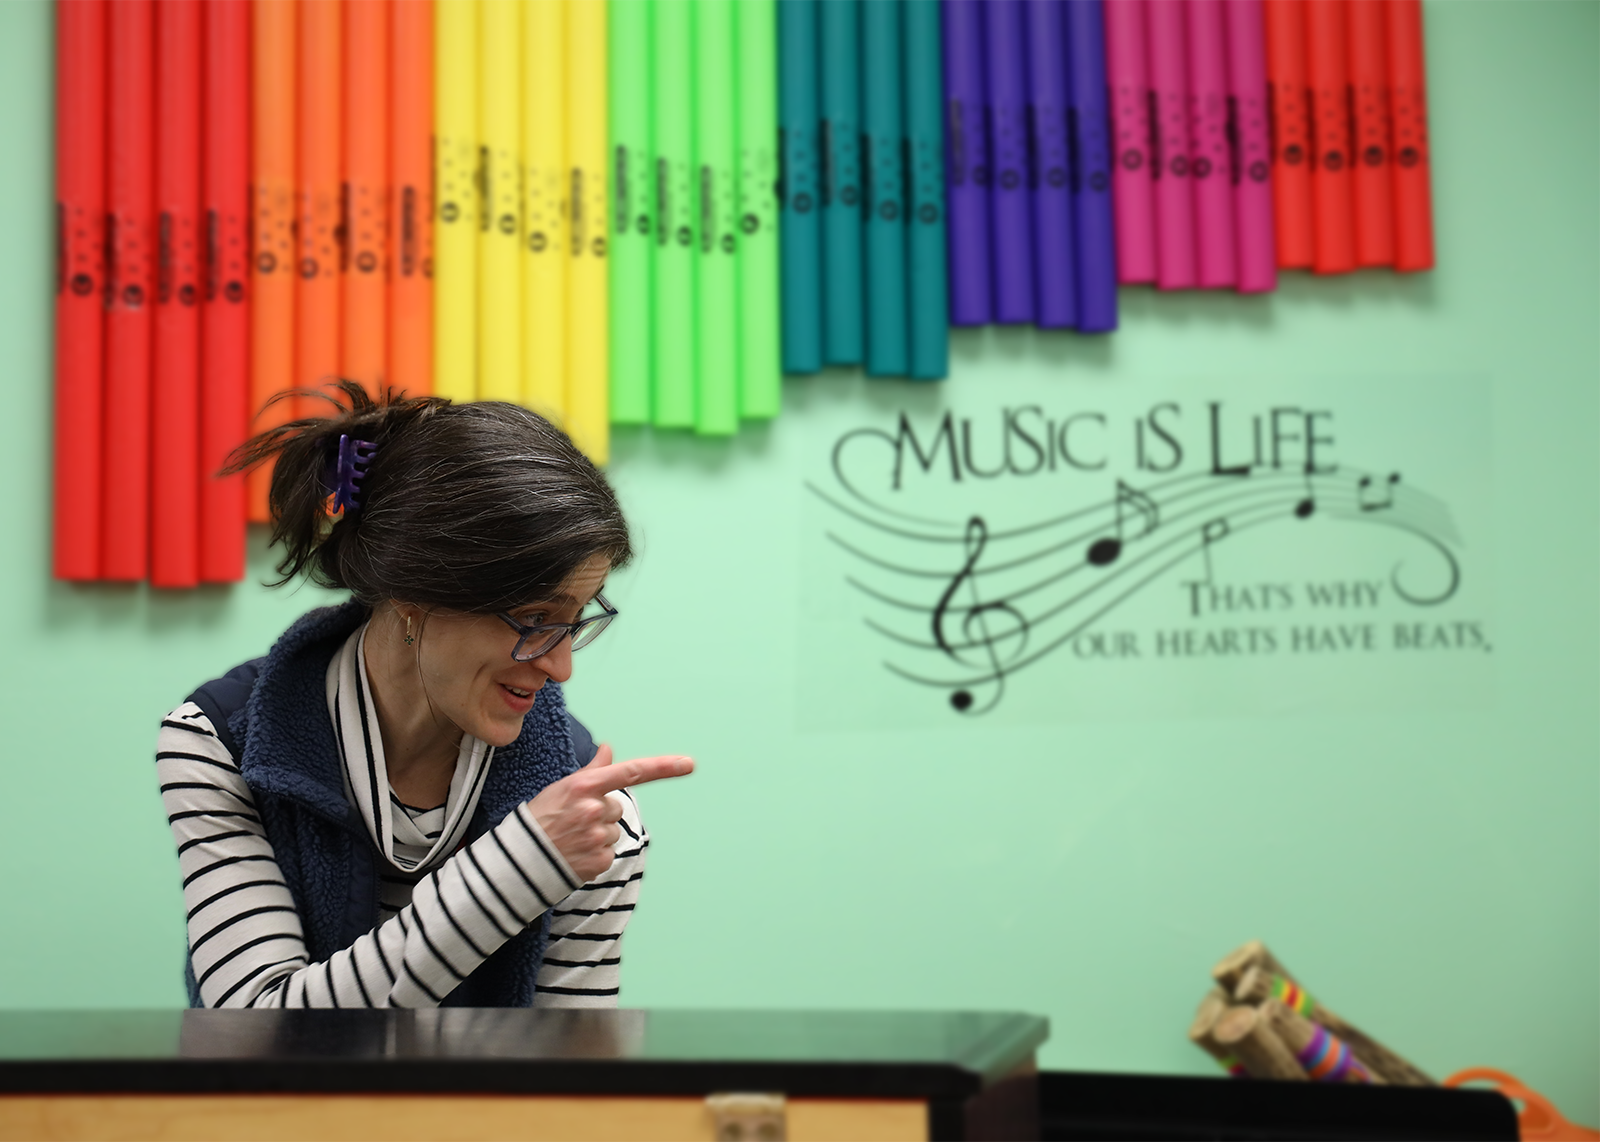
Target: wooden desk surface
[{"x": 920, "y": 1055}]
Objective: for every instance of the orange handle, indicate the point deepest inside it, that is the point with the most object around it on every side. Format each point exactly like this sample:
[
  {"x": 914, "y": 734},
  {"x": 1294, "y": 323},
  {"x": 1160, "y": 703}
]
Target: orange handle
[{"x": 1538, "y": 1120}]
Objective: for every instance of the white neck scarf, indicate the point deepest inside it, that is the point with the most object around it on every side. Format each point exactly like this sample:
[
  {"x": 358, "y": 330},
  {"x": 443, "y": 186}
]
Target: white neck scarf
[{"x": 366, "y": 777}]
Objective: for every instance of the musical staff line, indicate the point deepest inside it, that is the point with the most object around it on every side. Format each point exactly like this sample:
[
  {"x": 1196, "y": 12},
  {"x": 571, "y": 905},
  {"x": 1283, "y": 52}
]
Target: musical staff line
[{"x": 984, "y": 627}]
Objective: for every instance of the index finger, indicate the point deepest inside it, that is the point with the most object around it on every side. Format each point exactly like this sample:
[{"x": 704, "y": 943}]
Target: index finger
[{"x": 640, "y": 770}]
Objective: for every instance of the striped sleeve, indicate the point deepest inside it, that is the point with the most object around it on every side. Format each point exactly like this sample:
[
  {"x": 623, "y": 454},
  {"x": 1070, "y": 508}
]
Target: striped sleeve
[
  {"x": 245, "y": 935},
  {"x": 583, "y": 960}
]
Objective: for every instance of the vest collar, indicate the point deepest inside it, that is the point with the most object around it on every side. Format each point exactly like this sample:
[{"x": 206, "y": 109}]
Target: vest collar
[{"x": 289, "y": 748}]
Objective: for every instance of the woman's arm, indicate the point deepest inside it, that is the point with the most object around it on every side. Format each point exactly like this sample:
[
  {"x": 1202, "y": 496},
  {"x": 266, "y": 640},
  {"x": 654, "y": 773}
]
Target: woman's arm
[
  {"x": 245, "y": 936},
  {"x": 583, "y": 961}
]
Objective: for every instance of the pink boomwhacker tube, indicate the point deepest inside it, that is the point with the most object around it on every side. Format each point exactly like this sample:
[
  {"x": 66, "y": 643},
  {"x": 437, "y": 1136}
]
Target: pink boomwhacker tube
[
  {"x": 1210, "y": 157},
  {"x": 1128, "y": 80},
  {"x": 1252, "y": 188},
  {"x": 1169, "y": 166}
]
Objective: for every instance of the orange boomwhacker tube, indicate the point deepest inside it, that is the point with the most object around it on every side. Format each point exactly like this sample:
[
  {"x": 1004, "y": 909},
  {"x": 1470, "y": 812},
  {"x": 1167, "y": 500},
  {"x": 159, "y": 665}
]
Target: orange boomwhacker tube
[
  {"x": 272, "y": 206},
  {"x": 411, "y": 197},
  {"x": 318, "y": 202},
  {"x": 364, "y": 345}
]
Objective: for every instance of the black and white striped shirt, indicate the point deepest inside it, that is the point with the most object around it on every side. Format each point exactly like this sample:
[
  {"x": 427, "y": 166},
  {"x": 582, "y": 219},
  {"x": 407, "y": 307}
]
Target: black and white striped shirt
[{"x": 440, "y": 920}]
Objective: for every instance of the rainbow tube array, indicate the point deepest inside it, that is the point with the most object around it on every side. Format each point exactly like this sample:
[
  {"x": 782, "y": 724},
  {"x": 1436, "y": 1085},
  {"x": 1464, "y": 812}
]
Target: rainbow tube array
[{"x": 645, "y": 212}]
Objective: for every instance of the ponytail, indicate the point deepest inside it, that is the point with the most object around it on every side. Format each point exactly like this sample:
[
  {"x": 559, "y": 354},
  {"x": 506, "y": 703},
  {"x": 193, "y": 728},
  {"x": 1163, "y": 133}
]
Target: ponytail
[{"x": 476, "y": 507}]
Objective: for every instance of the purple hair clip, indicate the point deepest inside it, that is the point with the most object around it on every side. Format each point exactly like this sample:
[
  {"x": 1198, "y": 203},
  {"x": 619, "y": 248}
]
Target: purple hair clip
[{"x": 349, "y": 469}]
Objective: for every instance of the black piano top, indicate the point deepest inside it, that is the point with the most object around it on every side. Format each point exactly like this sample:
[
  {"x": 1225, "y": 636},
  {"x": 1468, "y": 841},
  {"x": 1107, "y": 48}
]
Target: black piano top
[{"x": 923, "y": 1055}]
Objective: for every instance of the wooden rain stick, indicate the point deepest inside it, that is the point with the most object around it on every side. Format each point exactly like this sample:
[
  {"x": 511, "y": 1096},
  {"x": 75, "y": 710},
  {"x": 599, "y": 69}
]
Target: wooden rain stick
[
  {"x": 1230, "y": 972},
  {"x": 1211, "y": 1009},
  {"x": 1245, "y": 1034},
  {"x": 1231, "y": 968},
  {"x": 1299, "y": 1034}
]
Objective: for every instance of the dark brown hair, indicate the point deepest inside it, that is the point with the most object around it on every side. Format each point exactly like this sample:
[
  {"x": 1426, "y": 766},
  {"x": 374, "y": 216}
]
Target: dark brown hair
[{"x": 475, "y": 507}]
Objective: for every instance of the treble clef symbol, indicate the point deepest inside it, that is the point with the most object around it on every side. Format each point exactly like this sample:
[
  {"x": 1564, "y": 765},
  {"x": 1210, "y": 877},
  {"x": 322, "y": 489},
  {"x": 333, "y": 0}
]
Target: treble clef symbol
[{"x": 975, "y": 625}]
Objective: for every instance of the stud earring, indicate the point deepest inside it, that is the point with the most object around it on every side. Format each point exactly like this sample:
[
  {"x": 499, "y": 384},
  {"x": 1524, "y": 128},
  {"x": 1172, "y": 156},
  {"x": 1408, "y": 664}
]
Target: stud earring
[{"x": 409, "y": 637}]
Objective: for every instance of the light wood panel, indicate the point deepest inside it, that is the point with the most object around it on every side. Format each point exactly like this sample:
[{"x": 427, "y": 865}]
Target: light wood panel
[{"x": 428, "y": 1118}]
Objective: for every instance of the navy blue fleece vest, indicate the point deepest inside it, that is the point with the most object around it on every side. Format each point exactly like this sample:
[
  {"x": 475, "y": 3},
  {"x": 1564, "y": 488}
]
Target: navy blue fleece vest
[{"x": 272, "y": 714}]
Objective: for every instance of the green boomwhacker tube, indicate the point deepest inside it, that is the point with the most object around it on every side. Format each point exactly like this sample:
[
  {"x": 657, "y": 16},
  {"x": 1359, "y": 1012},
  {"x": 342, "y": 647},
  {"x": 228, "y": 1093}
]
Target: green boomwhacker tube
[
  {"x": 839, "y": 97},
  {"x": 926, "y": 272},
  {"x": 716, "y": 394},
  {"x": 672, "y": 277},
  {"x": 632, "y": 211},
  {"x": 883, "y": 188},
  {"x": 760, "y": 355}
]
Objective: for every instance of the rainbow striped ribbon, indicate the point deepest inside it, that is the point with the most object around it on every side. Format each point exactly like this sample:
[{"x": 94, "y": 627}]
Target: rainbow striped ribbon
[
  {"x": 1327, "y": 1059},
  {"x": 1293, "y": 996}
]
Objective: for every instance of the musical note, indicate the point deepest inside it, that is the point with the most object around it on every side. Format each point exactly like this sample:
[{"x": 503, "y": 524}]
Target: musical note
[
  {"x": 1212, "y": 531},
  {"x": 1108, "y": 549},
  {"x": 1307, "y": 506},
  {"x": 1387, "y": 502},
  {"x": 978, "y": 615}
]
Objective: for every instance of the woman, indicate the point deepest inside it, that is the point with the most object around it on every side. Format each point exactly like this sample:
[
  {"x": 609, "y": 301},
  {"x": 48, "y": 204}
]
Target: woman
[{"x": 393, "y": 807}]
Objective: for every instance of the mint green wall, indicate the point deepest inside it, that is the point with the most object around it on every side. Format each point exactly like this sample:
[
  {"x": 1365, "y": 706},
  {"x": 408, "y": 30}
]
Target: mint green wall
[{"x": 1435, "y": 874}]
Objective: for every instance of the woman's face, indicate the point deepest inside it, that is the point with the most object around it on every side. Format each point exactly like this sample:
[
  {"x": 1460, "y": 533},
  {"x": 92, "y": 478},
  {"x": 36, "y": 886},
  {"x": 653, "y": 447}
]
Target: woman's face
[{"x": 469, "y": 674}]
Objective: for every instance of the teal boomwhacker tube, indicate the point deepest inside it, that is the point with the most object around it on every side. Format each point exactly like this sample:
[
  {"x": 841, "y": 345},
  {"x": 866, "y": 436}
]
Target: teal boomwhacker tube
[
  {"x": 840, "y": 57},
  {"x": 926, "y": 274},
  {"x": 672, "y": 270},
  {"x": 632, "y": 215},
  {"x": 716, "y": 392},
  {"x": 760, "y": 363},
  {"x": 801, "y": 186},
  {"x": 883, "y": 189}
]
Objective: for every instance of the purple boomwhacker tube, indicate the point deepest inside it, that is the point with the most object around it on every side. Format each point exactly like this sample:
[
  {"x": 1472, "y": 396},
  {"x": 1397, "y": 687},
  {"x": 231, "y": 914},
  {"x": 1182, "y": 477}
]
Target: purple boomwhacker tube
[
  {"x": 1092, "y": 193},
  {"x": 1010, "y": 221},
  {"x": 967, "y": 163},
  {"x": 1055, "y": 267}
]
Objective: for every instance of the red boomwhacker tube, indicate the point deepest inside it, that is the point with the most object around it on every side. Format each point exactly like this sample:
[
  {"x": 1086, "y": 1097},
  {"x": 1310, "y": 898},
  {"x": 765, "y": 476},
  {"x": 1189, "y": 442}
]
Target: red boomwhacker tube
[
  {"x": 1413, "y": 198},
  {"x": 1285, "y": 22},
  {"x": 175, "y": 342},
  {"x": 1327, "y": 74},
  {"x": 130, "y": 277},
  {"x": 225, "y": 312},
  {"x": 80, "y": 283},
  {"x": 1369, "y": 152}
]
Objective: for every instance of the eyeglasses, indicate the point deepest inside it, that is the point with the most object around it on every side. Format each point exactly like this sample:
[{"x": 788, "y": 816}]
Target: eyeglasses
[{"x": 542, "y": 638}]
